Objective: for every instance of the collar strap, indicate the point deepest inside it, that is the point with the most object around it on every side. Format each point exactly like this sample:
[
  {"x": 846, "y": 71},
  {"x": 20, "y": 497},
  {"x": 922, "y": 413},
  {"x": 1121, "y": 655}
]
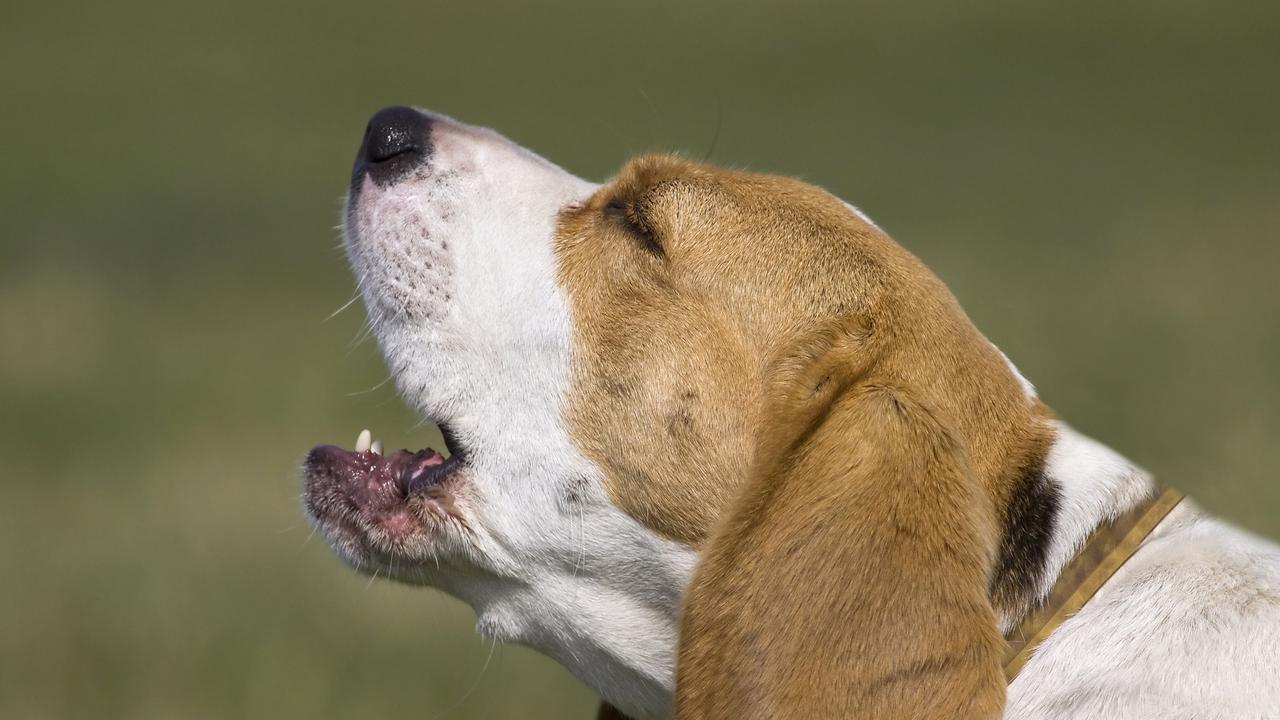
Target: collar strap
[{"x": 1108, "y": 547}]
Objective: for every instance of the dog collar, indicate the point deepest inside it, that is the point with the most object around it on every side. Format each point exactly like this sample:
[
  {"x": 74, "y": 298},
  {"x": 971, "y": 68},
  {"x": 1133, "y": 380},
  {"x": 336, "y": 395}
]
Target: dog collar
[{"x": 1106, "y": 550}]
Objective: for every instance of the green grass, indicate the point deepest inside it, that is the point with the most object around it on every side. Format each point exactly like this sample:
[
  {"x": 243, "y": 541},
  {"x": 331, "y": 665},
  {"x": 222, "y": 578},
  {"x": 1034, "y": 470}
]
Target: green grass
[{"x": 1098, "y": 186}]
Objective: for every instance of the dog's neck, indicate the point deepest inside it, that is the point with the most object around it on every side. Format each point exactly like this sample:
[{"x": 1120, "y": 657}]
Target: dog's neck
[{"x": 1095, "y": 485}]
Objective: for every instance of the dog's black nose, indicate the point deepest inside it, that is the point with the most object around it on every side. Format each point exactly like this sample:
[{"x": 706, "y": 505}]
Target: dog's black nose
[
  {"x": 395, "y": 141},
  {"x": 394, "y": 131}
]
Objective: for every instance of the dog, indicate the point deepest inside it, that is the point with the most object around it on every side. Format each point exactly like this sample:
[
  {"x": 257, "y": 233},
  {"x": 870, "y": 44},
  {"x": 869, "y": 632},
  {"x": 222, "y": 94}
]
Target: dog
[{"x": 723, "y": 449}]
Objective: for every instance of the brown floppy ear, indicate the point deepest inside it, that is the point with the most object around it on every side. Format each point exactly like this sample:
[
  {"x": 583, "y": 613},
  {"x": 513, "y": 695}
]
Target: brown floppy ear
[{"x": 849, "y": 579}]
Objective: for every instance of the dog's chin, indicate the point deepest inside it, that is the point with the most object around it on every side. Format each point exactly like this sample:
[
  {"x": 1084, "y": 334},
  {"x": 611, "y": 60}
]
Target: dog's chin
[{"x": 385, "y": 512}]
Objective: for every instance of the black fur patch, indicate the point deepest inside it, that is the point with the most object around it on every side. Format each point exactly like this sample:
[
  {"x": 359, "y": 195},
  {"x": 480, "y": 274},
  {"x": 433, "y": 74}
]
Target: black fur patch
[{"x": 1030, "y": 518}]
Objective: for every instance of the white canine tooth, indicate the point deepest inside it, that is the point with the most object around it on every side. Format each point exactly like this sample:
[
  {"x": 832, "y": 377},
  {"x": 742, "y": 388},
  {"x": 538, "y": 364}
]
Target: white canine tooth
[
  {"x": 376, "y": 447},
  {"x": 363, "y": 442}
]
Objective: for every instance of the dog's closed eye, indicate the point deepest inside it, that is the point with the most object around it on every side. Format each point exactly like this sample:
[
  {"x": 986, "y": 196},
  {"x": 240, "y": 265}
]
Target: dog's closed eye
[{"x": 631, "y": 216}]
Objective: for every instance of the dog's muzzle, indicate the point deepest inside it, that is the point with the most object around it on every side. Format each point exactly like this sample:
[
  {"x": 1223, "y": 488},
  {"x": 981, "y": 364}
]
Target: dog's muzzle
[{"x": 397, "y": 140}]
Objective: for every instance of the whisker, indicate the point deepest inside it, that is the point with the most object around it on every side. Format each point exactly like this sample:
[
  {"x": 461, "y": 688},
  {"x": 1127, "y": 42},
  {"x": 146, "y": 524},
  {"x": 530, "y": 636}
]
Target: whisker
[
  {"x": 582, "y": 541},
  {"x": 493, "y": 643},
  {"x": 365, "y": 332},
  {"x": 719, "y": 122},
  {"x": 372, "y": 389},
  {"x": 345, "y": 305}
]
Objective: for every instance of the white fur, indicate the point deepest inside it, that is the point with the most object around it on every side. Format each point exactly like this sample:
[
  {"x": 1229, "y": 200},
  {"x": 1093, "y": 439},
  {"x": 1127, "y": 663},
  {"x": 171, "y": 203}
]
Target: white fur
[
  {"x": 457, "y": 267},
  {"x": 457, "y": 270}
]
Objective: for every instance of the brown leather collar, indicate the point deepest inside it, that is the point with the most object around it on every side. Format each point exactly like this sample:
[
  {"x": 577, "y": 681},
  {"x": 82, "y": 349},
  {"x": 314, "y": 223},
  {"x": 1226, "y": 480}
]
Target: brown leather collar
[{"x": 1108, "y": 547}]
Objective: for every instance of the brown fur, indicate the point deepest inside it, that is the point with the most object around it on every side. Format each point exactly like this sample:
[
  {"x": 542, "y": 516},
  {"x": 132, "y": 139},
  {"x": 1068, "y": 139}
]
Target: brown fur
[{"x": 784, "y": 386}]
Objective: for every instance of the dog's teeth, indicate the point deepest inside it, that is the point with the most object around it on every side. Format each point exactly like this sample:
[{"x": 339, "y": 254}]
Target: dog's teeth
[
  {"x": 376, "y": 447},
  {"x": 364, "y": 441}
]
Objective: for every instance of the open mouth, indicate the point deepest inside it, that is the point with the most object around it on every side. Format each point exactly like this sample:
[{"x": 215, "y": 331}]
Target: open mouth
[{"x": 378, "y": 502}]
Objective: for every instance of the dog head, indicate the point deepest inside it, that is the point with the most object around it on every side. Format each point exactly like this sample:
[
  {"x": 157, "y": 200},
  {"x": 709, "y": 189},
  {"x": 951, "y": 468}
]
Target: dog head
[{"x": 684, "y": 362}]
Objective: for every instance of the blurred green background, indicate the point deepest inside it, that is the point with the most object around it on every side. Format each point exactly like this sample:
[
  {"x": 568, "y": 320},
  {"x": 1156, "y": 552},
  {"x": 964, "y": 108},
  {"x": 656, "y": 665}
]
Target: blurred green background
[{"x": 1098, "y": 182}]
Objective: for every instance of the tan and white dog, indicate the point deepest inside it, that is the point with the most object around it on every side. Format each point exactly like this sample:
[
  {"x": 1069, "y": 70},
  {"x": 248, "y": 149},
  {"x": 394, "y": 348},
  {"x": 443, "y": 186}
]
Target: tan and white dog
[{"x": 725, "y": 450}]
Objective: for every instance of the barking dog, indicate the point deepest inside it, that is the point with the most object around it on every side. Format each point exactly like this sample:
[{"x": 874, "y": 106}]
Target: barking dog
[{"x": 725, "y": 450}]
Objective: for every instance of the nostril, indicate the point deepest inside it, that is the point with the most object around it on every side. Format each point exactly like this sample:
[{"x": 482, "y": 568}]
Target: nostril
[{"x": 394, "y": 131}]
